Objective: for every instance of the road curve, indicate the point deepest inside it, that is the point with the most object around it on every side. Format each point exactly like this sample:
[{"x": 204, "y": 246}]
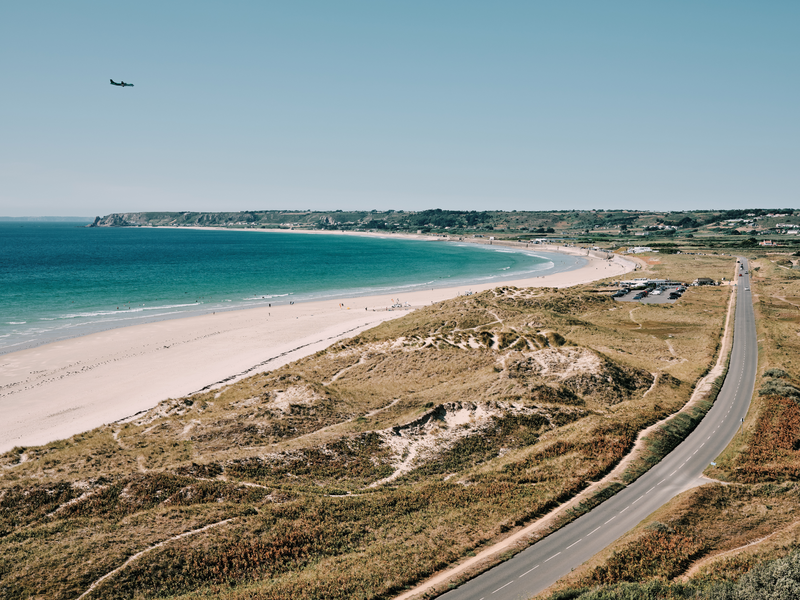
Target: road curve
[{"x": 544, "y": 563}]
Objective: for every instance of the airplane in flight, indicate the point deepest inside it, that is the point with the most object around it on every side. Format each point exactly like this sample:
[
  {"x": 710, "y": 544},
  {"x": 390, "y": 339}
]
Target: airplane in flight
[{"x": 121, "y": 84}]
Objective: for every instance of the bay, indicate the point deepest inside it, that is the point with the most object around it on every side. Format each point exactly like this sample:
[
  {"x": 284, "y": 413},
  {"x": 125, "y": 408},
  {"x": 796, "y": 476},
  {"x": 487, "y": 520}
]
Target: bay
[{"x": 61, "y": 280}]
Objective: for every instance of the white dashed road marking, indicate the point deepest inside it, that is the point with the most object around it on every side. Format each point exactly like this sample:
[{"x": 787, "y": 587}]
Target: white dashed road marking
[
  {"x": 528, "y": 571},
  {"x": 554, "y": 555}
]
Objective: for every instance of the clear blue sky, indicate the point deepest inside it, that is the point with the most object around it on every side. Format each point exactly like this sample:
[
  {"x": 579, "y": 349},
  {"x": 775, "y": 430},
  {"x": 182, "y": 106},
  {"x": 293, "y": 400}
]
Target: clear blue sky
[{"x": 407, "y": 105}]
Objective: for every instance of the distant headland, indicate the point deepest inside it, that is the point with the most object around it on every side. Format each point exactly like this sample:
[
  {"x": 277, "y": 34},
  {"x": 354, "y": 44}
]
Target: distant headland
[{"x": 608, "y": 228}]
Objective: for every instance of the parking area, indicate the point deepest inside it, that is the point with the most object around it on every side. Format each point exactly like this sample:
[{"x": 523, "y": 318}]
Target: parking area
[{"x": 657, "y": 296}]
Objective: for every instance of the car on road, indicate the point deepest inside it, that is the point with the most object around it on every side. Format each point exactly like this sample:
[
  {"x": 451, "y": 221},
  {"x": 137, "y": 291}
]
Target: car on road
[{"x": 638, "y": 296}]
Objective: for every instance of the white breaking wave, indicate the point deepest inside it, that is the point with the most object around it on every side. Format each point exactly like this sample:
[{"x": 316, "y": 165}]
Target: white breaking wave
[{"x": 105, "y": 313}]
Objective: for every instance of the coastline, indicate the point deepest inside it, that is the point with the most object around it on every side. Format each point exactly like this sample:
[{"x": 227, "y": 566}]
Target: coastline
[
  {"x": 51, "y": 318},
  {"x": 57, "y": 390}
]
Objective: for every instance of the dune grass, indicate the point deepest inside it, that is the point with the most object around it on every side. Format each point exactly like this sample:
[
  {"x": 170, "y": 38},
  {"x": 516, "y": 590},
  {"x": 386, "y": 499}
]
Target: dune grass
[{"x": 478, "y": 415}]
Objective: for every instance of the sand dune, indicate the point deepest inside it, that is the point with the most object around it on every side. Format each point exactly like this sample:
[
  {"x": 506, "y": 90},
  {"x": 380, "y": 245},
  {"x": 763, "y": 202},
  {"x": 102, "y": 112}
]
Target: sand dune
[{"x": 55, "y": 391}]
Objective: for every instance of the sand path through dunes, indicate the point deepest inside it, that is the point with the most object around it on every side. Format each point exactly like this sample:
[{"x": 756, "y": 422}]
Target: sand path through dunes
[{"x": 58, "y": 390}]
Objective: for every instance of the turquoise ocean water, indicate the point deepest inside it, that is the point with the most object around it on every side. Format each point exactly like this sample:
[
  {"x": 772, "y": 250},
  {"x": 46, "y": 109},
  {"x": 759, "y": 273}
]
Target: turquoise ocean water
[{"x": 62, "y": 280}]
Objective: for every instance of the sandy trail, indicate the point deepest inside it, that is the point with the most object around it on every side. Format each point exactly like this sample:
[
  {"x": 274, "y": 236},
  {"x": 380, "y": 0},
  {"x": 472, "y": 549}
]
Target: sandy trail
[
  {"x": 58, "y": 390},
  {"x": 150, "y": 549}
]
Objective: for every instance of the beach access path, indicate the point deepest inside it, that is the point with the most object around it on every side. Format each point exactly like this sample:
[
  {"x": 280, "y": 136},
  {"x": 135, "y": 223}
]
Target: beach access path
[{"x": 57, "y": 390}]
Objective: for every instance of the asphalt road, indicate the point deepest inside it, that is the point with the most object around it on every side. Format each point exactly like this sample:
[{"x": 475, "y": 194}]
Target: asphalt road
[{"x": 544, "y": 563}]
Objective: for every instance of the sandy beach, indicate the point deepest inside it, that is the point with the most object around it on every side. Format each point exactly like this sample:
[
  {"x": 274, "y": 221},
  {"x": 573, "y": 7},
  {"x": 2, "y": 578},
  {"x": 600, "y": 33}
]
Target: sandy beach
[{"x": 60, "y": 389}]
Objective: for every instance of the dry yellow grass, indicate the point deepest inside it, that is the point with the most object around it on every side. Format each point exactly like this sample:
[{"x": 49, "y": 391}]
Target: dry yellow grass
[
  {"x": 365, "y": 468},
  {"x": 754, "y": 519}
]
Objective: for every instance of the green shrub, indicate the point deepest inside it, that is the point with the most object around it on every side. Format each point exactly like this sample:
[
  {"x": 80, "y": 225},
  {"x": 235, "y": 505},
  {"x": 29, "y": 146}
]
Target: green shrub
[
  {"x": 777, "y": 373},
  {"x": 776, "y": 387}
]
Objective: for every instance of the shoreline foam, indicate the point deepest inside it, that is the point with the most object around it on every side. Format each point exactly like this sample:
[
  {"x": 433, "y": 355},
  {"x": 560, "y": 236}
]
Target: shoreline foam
[{"x": 57, "y": 390}]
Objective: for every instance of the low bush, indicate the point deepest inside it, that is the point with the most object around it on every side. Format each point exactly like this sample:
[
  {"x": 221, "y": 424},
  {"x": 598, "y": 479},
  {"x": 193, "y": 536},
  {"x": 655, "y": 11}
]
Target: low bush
[
  {"x": 777, "y": 373},
  {"x": 662, "y": 551},
  {"x": 775, "y": 580},
  {"x": 776, "y": 387}
]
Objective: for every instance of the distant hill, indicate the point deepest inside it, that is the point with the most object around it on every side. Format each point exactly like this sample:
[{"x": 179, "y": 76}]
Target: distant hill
[{"x": 453, "y": 221}]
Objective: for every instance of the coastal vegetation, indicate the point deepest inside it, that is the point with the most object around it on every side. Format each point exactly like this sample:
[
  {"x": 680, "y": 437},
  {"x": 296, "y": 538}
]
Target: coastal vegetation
[
  {"x": 667, "y": 231},
  {"x": 364, "y": 469},
  {"x": 730, "y": 537}
]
